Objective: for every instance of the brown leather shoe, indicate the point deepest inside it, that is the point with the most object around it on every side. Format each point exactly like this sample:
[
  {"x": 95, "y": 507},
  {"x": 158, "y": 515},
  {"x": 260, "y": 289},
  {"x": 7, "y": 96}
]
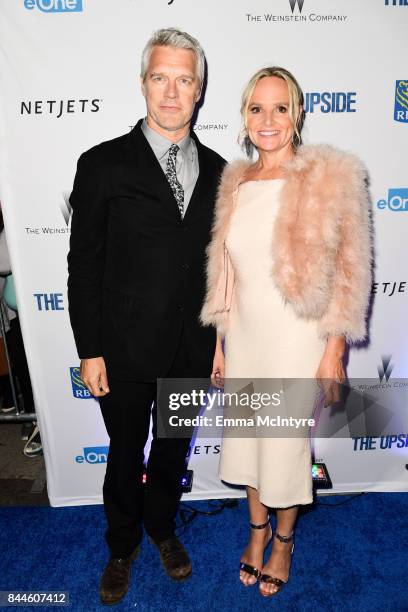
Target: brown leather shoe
[
  {"x": 115, "y": 579},
  {"x": 175, "y": 559}
]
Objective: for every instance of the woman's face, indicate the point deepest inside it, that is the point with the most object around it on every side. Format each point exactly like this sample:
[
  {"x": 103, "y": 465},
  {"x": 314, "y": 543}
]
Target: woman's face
[{"x": 269, "y": 125}]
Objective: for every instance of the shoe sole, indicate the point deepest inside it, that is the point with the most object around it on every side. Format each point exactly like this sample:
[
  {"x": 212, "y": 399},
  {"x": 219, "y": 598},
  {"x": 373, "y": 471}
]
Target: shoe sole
[
  {"x": 181, "y": 579},
  {"x": 113, "y": 603}
]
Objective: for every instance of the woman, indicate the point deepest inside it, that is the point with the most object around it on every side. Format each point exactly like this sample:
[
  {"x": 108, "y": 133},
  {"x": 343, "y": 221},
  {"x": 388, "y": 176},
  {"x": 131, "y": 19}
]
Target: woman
[{"x": 288, "y": 281}]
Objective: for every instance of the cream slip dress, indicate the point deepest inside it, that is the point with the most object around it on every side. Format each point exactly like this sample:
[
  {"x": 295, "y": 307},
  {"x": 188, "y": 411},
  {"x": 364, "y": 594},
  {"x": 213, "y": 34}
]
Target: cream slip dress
[{"x": 265, "y": 343}]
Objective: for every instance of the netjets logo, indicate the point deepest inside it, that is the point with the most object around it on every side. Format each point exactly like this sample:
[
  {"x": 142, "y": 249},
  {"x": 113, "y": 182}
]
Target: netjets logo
[
  {"x": 299, "y": 3},
  {"x": 385, "y": 369}
]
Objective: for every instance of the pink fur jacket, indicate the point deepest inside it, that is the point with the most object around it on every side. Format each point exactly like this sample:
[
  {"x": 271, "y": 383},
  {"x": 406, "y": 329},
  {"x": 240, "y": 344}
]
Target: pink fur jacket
[{"x": 320, "y": 248}]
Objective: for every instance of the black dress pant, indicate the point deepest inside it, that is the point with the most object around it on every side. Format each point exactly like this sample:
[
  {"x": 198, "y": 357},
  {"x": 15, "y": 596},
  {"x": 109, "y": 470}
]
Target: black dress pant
[{"x": 126, "y": 410}]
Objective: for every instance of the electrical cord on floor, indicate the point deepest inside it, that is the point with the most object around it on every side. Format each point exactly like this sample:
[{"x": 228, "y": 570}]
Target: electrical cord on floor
[
  {"x": 345, "y": 501},
  {"x": 187, "y": 513}
]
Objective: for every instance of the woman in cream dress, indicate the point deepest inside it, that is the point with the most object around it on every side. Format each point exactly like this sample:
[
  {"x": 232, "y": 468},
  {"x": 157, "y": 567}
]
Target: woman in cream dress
[
  {"x": 268, "y": 345},
  {"x": 320, "y": 261}
]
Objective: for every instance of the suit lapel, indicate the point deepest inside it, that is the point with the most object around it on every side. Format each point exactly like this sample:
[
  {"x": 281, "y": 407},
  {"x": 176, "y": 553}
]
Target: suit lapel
[
  {"x": 203, "y": 182},
  {"x": 156, "y": 182},
  {"x": 153, "y": 175}
]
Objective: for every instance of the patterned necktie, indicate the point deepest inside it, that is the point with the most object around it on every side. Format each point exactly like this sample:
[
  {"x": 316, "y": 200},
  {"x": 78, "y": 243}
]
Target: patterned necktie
[{"x": 172, "y": 177}]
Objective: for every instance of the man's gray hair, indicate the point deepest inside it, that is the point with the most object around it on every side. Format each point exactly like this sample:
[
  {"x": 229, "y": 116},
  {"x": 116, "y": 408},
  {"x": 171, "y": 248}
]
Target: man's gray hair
[{"x": 172, "y": 37}]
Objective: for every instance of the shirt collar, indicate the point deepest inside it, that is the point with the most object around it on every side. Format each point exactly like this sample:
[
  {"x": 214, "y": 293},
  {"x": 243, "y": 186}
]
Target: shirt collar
[{"x": 161, "y": 145}]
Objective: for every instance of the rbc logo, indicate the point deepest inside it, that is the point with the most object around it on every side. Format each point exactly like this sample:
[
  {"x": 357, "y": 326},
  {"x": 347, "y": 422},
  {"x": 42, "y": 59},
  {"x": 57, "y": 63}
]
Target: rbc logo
[
  {"x": 55, "y": 6},
  {"x": 79, "y": 390},
  {"x": 93, "y": 454},
  {"x": 331, "y": 101},
  {"x": 401, "y": 101},
  {"x": 397, "y": 200}
]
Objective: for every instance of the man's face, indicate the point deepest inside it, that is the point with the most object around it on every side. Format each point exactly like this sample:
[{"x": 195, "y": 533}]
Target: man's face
[{"x": 171, "y": 89}]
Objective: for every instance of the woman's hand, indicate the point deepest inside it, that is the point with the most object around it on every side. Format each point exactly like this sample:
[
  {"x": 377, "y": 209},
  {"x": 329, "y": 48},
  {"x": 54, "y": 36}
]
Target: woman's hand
[
  {"x": 330, "y": 373},
  {"x": 218, "y": 369}
]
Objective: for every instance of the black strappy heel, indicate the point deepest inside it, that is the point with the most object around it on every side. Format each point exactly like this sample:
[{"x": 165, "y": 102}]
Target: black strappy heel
[
  {"x": 250, "y": 569},
  {"x": 272, "y": 579}
]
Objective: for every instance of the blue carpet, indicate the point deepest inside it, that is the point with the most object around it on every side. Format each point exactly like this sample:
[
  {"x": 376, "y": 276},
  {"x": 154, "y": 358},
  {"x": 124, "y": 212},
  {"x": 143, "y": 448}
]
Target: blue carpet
[{"x": 347, "y": 557}]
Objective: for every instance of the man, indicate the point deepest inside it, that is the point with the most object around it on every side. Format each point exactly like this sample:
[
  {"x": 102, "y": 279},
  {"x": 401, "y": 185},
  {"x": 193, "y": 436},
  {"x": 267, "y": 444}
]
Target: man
[{"x": 142, "y": 213}]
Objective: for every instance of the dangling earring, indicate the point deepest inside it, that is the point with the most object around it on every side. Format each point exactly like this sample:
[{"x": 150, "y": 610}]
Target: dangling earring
[{"x": 248, "y": 146}]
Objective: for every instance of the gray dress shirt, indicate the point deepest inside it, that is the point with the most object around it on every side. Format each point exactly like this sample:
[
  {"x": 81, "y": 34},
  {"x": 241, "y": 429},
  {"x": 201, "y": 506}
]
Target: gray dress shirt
[{"x": 187, "y": 167}]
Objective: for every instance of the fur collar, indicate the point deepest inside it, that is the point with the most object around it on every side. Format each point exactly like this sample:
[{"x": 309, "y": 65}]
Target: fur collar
[
  {"x": 307, "y": 157},
  {"x": 320, "y": 248}
]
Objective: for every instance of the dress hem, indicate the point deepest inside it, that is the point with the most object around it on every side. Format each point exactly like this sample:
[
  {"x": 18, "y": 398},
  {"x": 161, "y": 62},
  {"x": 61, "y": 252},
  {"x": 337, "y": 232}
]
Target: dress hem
[{"x": 278, "y": 506}]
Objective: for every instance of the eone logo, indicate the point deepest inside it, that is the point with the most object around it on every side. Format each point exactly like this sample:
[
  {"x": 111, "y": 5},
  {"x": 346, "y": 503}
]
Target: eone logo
[
  {"x": 55, "y": 6},
  {"x": 397, "y": 200},
  {"x": 93, "y": 454}
]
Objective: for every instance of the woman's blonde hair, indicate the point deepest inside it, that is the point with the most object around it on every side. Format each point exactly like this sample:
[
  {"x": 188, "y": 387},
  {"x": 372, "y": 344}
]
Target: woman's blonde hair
[{"x": 296, "y": 110}]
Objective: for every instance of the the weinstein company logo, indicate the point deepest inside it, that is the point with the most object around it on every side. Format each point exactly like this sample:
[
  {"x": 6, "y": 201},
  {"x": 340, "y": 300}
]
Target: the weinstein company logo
[
  {"x": 299, "y": 3},
  {"x": 296, "y": 15},
  {"x": 66, "y": 208},
  {"x": 47, "y": 230},
  {"x": 385, "y": 369}
]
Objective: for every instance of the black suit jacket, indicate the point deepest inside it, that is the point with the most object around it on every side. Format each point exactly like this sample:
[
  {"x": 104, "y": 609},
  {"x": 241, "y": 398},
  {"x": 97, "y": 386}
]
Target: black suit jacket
[{"x": 136, "y": 269}]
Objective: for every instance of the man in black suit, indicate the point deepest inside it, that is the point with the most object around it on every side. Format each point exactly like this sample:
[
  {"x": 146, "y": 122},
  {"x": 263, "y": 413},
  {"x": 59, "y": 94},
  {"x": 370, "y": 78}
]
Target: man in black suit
[{"x": 142, "y": 214}]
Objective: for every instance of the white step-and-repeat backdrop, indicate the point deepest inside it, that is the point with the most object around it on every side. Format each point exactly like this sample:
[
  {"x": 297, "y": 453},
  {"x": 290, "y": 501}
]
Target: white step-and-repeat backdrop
[{"x": 70, "y": 79}]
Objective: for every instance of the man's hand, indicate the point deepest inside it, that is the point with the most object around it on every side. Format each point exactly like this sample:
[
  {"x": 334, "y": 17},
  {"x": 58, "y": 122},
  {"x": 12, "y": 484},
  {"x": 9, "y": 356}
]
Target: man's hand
[{"x": 93, "y": 374}]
